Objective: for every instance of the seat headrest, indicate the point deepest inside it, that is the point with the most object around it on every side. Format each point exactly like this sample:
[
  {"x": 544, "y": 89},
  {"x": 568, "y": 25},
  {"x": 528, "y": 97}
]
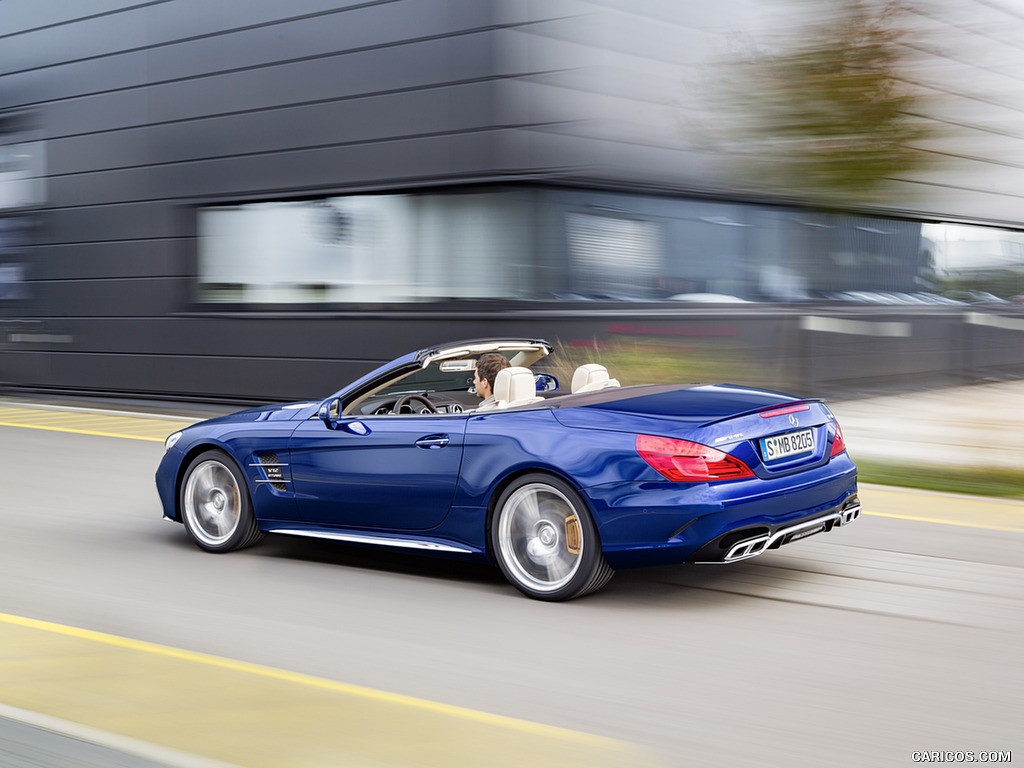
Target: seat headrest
[
  {"x": 523, "y": 386},
  {"x": 515, "y": 383},
  {"x": 591, "y": 375}
]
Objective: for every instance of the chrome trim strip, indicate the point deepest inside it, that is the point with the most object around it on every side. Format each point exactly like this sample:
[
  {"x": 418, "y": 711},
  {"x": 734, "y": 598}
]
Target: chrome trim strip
[
  {"x": 361, "y": 538},
  {"x": 266, "y": 467}
]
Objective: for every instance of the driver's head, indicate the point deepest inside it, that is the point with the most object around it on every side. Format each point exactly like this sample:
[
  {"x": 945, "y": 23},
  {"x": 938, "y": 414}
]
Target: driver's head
[{"x": 487, "y": 368}]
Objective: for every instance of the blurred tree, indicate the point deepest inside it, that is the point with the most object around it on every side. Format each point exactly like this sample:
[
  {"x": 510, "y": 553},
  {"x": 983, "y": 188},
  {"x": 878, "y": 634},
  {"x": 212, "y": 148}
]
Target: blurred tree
[{"x": 829, "y": 116}]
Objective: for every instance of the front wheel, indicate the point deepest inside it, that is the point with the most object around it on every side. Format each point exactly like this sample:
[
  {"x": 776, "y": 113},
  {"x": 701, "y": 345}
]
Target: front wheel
[
  {"x": 215, "y": 504},
  {"x": 545, "y": 541}
]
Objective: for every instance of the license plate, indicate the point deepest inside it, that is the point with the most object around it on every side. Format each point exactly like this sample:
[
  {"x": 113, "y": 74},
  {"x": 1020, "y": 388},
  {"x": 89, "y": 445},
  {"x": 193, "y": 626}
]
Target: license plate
[{"x": 790, "y": 444}]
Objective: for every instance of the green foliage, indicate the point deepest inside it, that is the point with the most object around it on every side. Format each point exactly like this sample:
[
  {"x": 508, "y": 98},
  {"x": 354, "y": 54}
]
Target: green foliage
[
  {"x": 979, "y": 481},
  {"x": 640, "y": 360},
  {"x": 1002, "y": 283},
  {"x": 830, "y": 115}
]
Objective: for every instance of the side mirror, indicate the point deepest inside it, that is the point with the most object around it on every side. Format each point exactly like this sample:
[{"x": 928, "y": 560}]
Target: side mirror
[
  {"x": 545, "y": 382},
  {"x": 330, "y": 412}
]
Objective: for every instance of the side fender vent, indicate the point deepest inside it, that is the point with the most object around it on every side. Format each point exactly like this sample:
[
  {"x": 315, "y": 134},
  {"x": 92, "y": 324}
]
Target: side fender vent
[{"x": 273, "y": 471}]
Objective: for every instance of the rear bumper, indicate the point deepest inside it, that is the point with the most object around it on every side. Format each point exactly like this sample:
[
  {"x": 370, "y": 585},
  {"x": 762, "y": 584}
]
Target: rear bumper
[
  {"x": 745, "y": 544},
  {"x": 645, "y": 524}
]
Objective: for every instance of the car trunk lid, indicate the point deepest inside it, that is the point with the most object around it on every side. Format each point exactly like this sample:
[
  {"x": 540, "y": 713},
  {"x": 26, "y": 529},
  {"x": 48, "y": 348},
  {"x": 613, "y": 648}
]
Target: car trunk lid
[{"x": 773, "y": 433}]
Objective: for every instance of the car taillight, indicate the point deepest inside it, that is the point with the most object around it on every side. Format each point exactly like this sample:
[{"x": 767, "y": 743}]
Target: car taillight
[
  {"x": 838, "y": 444},
  {"x": 684, "y": 462}
]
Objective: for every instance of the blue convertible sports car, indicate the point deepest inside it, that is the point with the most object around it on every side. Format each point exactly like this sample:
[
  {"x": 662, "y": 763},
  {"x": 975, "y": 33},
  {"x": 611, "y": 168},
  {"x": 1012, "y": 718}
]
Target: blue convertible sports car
[{"x": 559, "y": 488}]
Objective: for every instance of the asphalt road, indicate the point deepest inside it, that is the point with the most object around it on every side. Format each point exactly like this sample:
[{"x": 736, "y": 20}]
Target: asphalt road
[{"x": 896, "y": 635}]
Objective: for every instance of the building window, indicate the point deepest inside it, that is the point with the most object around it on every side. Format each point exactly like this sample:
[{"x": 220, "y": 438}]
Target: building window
[
  {"x": 555, "y": 244},
  {"x": 366, "y": 249},
  {"x": 22, "y": 163},
  {"x": 612, "y": 257}
]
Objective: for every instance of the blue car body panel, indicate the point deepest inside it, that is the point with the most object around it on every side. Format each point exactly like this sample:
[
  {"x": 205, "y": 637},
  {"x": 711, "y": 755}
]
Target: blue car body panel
[
  {"x": 395, "y": 473},
  {"x": 433, "y": 478}
]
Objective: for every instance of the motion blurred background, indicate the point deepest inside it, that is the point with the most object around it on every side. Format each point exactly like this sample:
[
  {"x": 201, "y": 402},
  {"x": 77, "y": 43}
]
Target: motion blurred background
[{"x": 248, "y": 200}]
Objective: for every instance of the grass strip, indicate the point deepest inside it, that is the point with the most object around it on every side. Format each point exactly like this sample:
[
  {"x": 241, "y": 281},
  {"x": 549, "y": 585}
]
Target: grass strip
[{"x": 977, "y": 481}]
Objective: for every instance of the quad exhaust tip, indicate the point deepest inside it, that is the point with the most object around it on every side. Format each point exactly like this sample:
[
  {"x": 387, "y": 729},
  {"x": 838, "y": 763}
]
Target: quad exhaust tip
[{"x": 748, "y": 548}]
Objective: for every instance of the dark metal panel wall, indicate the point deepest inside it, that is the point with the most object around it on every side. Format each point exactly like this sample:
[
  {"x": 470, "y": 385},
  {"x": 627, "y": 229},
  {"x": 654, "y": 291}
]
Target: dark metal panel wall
[
  {"x": 267, "y": 358},
  {"x": 147, "y": 109}
]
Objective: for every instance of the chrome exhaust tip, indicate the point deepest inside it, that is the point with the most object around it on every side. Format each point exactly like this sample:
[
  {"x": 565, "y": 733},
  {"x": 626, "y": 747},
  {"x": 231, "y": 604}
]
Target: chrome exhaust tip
[
  {"x": 849, "y": 514},
  {"x": 748, "y": 548}
]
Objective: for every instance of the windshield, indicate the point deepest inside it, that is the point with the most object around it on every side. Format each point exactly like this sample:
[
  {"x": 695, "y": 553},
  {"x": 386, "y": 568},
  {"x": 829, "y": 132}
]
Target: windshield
[
  {"x": 451, "y": 380},
  {"x": 432, "y": 379},
  {"x": 446, "y": 380}
]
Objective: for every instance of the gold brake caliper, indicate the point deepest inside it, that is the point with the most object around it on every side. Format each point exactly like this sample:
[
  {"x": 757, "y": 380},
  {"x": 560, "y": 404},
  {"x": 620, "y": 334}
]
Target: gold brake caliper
[{"x": 573, "y": 541}]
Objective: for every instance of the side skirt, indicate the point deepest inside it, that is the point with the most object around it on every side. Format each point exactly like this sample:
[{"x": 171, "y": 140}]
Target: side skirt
[{"x": 383, "y": 540}]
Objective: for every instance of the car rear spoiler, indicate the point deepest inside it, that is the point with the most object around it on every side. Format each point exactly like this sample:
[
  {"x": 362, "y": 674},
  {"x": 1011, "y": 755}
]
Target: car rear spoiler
[{"x": 768, "y": 410}]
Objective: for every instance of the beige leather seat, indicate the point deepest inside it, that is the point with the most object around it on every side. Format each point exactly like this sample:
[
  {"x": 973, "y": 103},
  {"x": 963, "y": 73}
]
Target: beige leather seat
[
  {"x": 515, "y": 386},
  {"x": 591, "y": 377}
]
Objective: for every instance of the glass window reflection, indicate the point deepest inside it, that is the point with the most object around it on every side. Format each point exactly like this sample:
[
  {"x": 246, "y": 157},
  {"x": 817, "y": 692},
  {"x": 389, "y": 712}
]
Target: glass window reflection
[{"x": 552, "y": 244}]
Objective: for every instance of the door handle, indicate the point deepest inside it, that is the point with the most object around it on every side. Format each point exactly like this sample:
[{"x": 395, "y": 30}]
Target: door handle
[{"x": 433, "y": 442}]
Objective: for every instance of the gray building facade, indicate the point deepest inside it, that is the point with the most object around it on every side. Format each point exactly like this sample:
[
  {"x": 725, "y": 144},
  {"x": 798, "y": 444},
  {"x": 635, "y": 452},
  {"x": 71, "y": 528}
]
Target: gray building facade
[{"x": 249, "y": 199}]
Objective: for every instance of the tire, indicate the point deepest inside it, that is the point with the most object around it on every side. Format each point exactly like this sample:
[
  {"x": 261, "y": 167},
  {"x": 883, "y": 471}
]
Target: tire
[
  {"x": 215, "y": 504},
  {"x": 545, "y": 541}
]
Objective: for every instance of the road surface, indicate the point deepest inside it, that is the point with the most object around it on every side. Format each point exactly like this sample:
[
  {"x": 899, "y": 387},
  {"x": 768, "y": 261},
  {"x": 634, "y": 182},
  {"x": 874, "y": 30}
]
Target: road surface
[{"x": 897, "y": 635}]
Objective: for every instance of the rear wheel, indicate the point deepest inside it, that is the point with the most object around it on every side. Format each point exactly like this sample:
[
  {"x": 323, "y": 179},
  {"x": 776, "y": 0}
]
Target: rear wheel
[
  {"x": 545, "y": 541},
  {"x": 215, "y": 504}
]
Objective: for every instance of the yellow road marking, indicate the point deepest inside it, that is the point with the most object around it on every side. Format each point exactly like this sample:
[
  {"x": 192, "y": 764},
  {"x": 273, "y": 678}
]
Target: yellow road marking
[
  {"x": 279, "y": 674},
  {"x": 96, "y": 423},
  {"x": 1004, "y": 515},
  {"x": 939, "y": 521},
  {"x": 94, "y": 433},
  {"x": 252, "y": 715}
]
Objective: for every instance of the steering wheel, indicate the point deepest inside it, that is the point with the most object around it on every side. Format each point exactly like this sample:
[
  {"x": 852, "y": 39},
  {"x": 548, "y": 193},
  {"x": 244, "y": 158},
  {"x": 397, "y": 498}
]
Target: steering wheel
[{"x": 405, "y": 400}]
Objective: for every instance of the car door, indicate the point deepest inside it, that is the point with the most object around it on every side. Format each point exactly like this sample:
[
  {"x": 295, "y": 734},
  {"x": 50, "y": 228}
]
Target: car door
[{"x": 393, "y": 472}]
